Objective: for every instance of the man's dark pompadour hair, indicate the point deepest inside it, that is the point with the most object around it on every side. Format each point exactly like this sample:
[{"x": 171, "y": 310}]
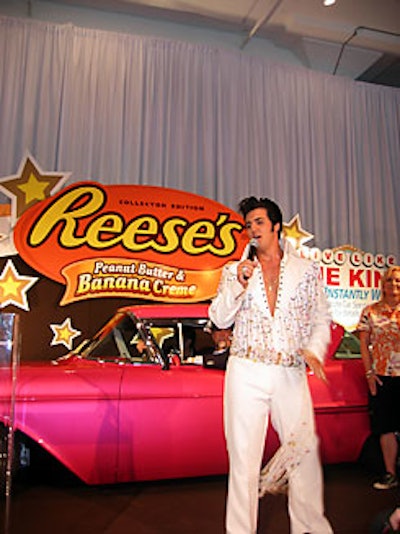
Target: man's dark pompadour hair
[{"x": 273, "y": 210}]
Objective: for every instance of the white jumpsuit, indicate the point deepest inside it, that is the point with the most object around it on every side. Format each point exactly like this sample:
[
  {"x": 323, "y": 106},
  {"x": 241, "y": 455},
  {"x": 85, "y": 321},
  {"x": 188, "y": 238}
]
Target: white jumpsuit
[{"x": 266, "y": 378}]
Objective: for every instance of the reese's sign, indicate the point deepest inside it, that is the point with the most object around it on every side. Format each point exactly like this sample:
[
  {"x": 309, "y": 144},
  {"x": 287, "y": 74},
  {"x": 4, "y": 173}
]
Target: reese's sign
[{"x": 130, "y": 241}]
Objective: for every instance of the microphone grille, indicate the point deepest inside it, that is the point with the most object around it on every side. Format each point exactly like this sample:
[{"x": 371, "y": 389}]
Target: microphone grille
[{"x": 253, "y": 242}]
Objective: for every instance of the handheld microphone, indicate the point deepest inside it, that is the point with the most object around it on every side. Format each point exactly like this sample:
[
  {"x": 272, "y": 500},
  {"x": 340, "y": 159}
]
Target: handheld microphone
[
  {"x": 252, "y": 248},
  {"x": 252, "y": 253}
]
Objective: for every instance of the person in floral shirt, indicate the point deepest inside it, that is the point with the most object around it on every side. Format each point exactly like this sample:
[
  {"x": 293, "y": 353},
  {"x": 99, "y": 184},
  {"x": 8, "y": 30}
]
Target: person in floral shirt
[{"x": 379, "y": 329}]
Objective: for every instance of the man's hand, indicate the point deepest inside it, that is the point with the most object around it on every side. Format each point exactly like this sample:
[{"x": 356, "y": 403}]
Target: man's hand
[
  {"x": 245, "y": 270},
  {"x": 314, "y": 364}
]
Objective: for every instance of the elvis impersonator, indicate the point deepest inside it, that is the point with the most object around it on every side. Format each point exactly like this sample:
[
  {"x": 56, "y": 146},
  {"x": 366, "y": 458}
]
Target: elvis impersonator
[{"x": 276, "y": 302}]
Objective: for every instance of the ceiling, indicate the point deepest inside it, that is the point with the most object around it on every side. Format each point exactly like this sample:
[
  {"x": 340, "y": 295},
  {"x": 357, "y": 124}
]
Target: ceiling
[{"x": 355, "y": 38}]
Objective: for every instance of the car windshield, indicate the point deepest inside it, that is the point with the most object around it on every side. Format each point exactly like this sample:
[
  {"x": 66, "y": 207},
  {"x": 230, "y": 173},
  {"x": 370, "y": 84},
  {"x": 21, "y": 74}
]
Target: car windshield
[
  {"x": 187, "y": 338},
  {"x": 123, "y": 339},
  {"x": 126, "y": 339}
]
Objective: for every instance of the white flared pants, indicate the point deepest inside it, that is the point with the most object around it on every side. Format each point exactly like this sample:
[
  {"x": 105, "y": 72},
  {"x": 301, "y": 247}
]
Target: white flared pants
[{"x": 254, "y": 392}]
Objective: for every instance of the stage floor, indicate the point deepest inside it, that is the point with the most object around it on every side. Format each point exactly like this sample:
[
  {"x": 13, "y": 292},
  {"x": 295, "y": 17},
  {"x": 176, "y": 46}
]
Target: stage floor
[{"x": 194, "y": 506}]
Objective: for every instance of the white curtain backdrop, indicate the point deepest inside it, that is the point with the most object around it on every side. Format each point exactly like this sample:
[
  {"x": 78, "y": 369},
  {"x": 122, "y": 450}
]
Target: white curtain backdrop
[{"x": 124, "y": 109}]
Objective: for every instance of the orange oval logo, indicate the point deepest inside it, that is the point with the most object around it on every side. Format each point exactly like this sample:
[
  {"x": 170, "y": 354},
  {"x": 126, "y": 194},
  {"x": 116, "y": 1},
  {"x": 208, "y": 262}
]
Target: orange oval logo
[{"x": 140, "y": 232}]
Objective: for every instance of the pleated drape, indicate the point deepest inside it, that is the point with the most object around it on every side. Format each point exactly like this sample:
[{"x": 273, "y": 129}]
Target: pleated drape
[{"x": 120, "y": 109}]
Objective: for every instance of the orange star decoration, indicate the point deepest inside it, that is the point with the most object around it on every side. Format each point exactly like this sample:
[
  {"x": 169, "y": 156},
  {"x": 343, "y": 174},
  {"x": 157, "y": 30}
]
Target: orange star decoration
[
  {"x": 64, "y": 334},
  {"x": 30, "y": 185},
  {"x": 14, "y": 287},
  {"x": 294, "y": 232}
]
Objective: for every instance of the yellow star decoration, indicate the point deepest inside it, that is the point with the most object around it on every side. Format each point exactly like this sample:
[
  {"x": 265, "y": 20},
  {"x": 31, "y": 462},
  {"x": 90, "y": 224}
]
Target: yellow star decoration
[
  {"x": 161, "y": 334},
  {"x": 294, "y": 232},
  {"x": 30, "y": 185},
  {"x": 14, "y": 287},
  {"x": 64, "y": 334},
  {"x": 33, "y": 189}
]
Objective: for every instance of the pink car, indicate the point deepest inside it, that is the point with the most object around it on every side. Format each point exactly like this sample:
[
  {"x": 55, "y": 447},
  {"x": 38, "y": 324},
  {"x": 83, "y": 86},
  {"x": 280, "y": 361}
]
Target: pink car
[{"x": 135, "y": 402}]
